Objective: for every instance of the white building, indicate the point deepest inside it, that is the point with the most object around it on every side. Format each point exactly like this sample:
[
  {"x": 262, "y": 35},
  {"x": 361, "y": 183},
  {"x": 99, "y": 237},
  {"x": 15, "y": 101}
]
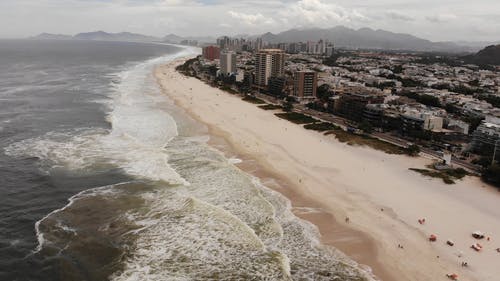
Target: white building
[{"x": 227, "y": 63}]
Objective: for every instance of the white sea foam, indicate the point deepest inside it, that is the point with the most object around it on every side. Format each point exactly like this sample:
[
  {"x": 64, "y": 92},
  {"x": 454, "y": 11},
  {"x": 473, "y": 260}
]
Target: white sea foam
[
  {"x": 235, "y": 160},
  {"x": 227, "y": 226},
  {"x": 140, "y": 130}
]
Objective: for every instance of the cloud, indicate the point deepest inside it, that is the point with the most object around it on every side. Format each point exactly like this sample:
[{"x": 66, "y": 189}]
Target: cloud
[
  {"x": 251, "y": 19},
  {"x": 317, "y": 12},
  {"x": 425, "y": 18},
  {"x": 441, "y": 18},
  {"x": 394, "y": 15}
]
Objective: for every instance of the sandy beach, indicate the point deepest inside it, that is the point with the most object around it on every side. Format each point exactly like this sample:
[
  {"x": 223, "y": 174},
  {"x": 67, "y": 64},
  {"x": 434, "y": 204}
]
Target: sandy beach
[{"x": 328, "y": 181}]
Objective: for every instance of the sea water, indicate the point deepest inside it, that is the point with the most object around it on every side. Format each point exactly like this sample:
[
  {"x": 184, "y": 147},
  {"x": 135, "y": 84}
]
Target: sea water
[{"x": 102, "y": 177}]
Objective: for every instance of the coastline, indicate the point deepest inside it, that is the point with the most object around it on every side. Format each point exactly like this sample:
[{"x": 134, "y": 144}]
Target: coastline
[{"x": 336, "y": 187}]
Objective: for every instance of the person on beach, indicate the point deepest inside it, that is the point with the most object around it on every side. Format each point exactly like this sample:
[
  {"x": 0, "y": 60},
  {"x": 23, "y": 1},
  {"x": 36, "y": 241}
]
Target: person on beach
[{"x": 347, "y": 219}]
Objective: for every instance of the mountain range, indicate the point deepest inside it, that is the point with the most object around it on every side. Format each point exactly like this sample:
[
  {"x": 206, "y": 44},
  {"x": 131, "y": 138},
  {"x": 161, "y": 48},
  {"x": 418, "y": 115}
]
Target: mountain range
[
  {"x": 100, "y": 35},
  {"x": 367, "y": 38},
  {"x": 341, "y": 36}
]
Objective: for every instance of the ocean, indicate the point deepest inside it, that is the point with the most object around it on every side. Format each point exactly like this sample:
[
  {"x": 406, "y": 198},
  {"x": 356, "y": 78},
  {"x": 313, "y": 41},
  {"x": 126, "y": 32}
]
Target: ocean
[{"x": 102, "y": 177}]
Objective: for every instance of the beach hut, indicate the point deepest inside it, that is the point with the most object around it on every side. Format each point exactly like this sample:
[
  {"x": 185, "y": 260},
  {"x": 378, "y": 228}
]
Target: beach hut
[{"x": 432, "y": 238}]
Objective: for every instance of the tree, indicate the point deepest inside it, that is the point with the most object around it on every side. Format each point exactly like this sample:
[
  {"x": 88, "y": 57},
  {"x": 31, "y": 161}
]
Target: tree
[
  {"x": 323, "y": 92},
  {"x": 287, "y": 106},
  {"x": 397, "y": 69},
  {"x": 492, "y": 175},
  {"x": 413, "y": 150},
  {"x": 473, "y": 121},
  {"x": 451, "y": 108},
  {"x": 366, "y": 127}
]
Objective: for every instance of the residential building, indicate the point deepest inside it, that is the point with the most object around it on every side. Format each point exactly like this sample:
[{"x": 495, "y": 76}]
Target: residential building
[
  {"x": 413, "y": 121},
  {"x": 352, "y": 104},
  {"x": 458, "y": 126},
  {"x": 223, "y": 42},
  {"x": 276, "y": 86},
  {"x": 268, "y": 63},
  {"x": 486, "y": 136},
  {"x": 374, "y": 114},
  {"x": 211, "y": 52},
  {"x": 305, "y": 84},
  {"x": 227, "y": 63}
]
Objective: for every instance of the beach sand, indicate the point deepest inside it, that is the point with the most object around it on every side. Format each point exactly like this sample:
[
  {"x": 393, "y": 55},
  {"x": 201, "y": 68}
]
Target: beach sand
[{"x": 328, "y": 181}]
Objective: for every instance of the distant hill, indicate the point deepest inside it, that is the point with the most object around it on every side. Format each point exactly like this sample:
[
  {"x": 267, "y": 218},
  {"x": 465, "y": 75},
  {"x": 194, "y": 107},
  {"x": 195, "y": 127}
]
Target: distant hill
[
  {"x": 99, "y": 35},
  {"x": 49, "y": 36},
  {"x": 175, "y": 39},
  {"x": 172, "y": 38},
  {"x": 364, "y": 38},
  {"x": 122, "y": 36},
  {"x": 487, "y": 56}
]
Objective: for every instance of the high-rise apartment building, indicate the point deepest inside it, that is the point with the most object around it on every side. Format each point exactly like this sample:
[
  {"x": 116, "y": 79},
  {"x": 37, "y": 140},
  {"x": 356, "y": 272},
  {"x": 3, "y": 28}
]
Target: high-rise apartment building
[
  {"x": 306, "y": 84},
  {"x": 268, "y": 63},
  {"x": 211, "y": 53},
  {"x": 227, "y": 62}
]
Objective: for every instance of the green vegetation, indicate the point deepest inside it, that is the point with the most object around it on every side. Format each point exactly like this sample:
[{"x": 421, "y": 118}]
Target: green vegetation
[
  {"x": 452, "y": 108},
  {"x": 397, "y": 69},
  {"x": 383, "y": 85},
  {"x": 423, "y": 99},
  {"x": 321, "y": 127},
  {"x": 252, "y": 99},
  {"x": 473, "y": 121},
  {"x": 413, "y": 150},
  {"x": 332, "y": 61},
  {"x": 449, "y": 176},
  {"x": 492, "y": 99},
  {"x": 483, "y": 161},
  {"x": 186, "y": 67},
  {"x": 270, "y": 107},
  {"x": 288, "y": 106},
  {"x": 228, "y": 89},
  {"x": 408, "y": 82},
  {"x": 324, "y": 92},
  {"x": 364, "y": 140},
  {"x": 439, "y": 58},
  {"x": 492, "y": 175},
  {"x": 297, "y": 118},
  {"x": 366, "y": 127}
]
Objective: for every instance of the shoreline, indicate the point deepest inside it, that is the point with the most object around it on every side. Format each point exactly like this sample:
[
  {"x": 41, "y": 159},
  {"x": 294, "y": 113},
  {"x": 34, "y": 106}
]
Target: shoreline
[
  {"x": 351, "y": 242},
  {"x": 376, "y": 224}
]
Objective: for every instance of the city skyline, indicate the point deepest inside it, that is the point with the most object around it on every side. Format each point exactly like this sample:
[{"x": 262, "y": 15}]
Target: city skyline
[{"x": 443, "y": 21}]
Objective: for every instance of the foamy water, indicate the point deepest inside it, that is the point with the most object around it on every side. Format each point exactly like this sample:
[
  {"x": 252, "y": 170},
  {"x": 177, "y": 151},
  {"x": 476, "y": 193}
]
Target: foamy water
[{"x": 189, "y": 213}]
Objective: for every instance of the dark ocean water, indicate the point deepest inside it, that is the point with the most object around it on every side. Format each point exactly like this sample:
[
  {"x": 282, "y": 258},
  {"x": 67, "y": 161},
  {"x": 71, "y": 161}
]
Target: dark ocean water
[
  {"x": 102, "y": 177},
  {"x": 51, "y": 86}
]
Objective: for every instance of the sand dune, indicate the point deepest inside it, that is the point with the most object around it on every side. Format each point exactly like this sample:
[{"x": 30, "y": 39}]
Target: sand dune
[{"x": 381, "y": 197}]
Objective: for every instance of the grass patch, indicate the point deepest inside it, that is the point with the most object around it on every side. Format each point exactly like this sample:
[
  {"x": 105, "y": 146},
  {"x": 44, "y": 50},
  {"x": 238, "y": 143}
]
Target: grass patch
[
  {"x": 297, "y": 118},
  {"x": 252, "y": 99},
  {"x": 363, "y": 140},
  {"x": 229, "y": 90},
  {"x": 270, "y": 107},
  {"x": 449, "y": 176},
  {"x": 321, "y": 127}
]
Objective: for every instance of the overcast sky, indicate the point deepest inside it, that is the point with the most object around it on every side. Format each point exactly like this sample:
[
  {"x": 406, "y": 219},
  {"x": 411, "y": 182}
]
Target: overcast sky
[{"x": 437, "y": 20}]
